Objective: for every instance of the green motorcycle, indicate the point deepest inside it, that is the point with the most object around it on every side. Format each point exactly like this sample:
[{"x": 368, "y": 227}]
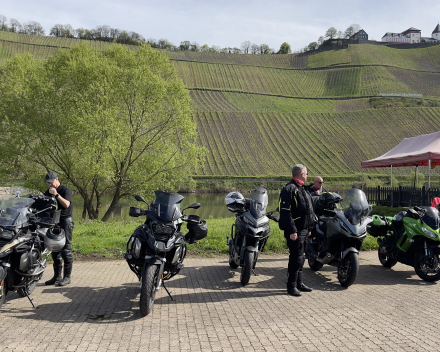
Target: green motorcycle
[{"x": 411, "y": 237}]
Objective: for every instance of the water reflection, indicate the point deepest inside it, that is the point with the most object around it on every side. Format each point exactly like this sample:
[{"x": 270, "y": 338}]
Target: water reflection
[{"x": 213, "y": 204}]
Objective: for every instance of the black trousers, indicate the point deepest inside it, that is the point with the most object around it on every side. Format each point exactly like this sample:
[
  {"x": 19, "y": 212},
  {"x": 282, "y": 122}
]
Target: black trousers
[
  {"x": 296, "y": 258},
  {"x": 65, "y": 253}
]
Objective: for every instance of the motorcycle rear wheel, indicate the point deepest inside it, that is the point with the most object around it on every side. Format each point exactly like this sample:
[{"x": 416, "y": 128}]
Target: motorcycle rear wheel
[
  {"x": 2, "y": 286},
  {"x": 148, "y": 289},
  {"x": 247, "y": 268},
  {"x": 386, "y": 261},
  {"x": 29, "y": 288},
  {"x": 348, "y": 269},
  {"x": 422, "y": 265},
  {"x": 232, "y": 262},
  {"x": 314, "y": 264}
]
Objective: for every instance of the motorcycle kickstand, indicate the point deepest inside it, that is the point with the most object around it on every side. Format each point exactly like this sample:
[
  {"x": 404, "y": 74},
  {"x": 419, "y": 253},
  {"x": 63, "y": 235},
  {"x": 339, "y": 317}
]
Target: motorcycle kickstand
[
  {"x": 29, "y": 298},
  {"x": 255, "y": 274},
  {"x": 169, "y": 294}
]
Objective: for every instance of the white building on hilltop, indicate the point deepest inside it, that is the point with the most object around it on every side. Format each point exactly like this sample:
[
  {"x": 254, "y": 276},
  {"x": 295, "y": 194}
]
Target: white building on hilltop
[
  {"x": 410, "y": 36},
  {"x": 435, "y": 36}
]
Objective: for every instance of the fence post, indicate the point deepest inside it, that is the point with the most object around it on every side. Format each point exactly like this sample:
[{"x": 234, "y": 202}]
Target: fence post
[
  {"x": 423, "y": 195},
  {"x": 378, "y": 195},
  {"x": 399, "y": 204}
]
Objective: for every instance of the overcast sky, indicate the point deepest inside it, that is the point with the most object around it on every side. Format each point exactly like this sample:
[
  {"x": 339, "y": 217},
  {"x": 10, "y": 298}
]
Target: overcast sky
[{"x": 228, "y": 23}]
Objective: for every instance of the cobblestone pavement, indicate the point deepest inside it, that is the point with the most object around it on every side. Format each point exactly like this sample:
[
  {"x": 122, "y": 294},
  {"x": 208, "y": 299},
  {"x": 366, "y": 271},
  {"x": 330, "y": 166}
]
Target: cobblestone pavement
[{"x": 385, "y": 310}]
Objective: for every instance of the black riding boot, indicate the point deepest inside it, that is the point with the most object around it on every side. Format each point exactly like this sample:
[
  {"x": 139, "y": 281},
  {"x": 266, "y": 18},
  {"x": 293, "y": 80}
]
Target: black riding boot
[
  {"x": 67, "y": 272},
  {"x": 57, "y": 275}
]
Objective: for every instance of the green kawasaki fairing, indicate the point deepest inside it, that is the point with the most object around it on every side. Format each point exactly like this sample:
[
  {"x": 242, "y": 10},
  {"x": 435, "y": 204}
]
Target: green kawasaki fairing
[{"x": 411, "y": 237}]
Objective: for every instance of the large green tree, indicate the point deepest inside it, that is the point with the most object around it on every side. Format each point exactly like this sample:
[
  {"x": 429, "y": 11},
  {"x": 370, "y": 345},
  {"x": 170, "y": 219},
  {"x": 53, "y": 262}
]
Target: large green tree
[{"x": 116, "y": 122}]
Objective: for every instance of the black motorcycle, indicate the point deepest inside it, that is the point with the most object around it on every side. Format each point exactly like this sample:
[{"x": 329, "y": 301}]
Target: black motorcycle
[
  {"x": 26, "y": 242},
  {"x": 339, "y": 233},
  {"x": 157, "y": 248},
  {"x": 250, "y": 232}
]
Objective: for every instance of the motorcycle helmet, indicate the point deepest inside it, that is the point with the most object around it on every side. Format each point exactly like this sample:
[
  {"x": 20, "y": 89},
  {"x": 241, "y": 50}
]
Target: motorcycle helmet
[
  {"x": 235, "y": 201},
  {"x": 55, "y": 239},
  {"x": 234, "y": 198},
  {"x": 196, "y": 230}
]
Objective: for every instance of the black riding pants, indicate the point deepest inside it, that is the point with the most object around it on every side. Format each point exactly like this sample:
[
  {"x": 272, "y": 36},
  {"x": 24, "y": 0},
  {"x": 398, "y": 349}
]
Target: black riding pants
[
  {"x": 65, "y": 253},
  {"x": 296, "y": 258}
]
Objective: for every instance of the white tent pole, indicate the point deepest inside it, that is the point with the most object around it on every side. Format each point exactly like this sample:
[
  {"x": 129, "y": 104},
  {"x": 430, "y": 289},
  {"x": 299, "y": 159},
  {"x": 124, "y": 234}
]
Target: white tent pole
[
  {"x": 391, "y": 175},
  {"x": 429, "y": 173}
]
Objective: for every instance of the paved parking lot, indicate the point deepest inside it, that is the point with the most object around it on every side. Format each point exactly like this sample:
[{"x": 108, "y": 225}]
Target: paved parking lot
[{"x": 385, "y": 310}]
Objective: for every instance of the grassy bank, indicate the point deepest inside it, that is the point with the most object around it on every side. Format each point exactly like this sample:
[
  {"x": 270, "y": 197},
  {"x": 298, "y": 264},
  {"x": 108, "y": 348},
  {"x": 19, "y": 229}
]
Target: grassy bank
[{"x": 97, "y": 240}]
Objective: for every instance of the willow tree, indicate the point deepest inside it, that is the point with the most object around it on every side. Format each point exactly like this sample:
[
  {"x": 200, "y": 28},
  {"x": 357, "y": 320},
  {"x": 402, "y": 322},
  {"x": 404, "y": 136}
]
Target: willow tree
[{"x": 115, "y": 122}]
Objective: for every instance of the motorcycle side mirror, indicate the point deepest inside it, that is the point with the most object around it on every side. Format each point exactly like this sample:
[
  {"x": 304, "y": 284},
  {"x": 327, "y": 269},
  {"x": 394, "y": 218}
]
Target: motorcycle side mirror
[
  {"x": 140, "y": 199},
  {"x": 193, "y": 206}
]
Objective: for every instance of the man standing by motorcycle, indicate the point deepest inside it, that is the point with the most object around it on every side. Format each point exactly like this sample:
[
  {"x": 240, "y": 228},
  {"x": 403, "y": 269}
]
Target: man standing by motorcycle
[
  {"x": 296, "y": 220},
  {"x": 63, "y": 195},
  {"x": 316, "y": 188}
]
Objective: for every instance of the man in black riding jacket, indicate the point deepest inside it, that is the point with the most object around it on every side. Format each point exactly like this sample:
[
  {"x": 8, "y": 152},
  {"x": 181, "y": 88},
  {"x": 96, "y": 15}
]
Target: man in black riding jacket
[
  {"x": 316, "y": 188},
  {"x": 296, "y": 220},
  {"x": 63, "y": 195}
]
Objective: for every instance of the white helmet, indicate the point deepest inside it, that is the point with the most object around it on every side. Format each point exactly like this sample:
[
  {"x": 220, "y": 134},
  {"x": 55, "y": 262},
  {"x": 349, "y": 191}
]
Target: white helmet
[
  {"x": 234, "y": 198},
  {"x": 55, "y": 239}
]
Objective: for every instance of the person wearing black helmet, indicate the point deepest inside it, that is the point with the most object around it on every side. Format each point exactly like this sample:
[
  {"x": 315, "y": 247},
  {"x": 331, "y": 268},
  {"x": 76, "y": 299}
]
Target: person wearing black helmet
[
  {"x": 63, "y": 195},
  {"x": 296, "y": 220}
]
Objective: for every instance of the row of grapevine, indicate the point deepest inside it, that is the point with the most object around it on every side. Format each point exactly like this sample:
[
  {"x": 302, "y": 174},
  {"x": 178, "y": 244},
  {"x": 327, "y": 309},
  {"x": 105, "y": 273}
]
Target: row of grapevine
[
  {"x": 421, "y": 59},
  {"x": 332, "y": 143},
  {"x": 346, "y": 82}
]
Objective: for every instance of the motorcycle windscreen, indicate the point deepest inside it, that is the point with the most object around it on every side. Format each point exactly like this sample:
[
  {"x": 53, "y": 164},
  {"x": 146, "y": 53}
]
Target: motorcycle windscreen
[
  {"x": 430, "y": 218},
  {"x": 13, "y": 211},
  {"x": 259, "y": 201},
  {"x": 166, "y": 206},
  {"x": 355, "y": 206}
]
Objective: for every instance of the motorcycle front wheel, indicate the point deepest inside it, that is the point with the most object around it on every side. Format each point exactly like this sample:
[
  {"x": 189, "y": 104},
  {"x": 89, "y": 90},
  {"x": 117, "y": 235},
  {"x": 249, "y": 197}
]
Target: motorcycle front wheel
[
  {"x": 2, "y": 286},
  {"x": 247, "y": 267},
  {"x": 427, "y": 268},
  {"x": 148, "y": 288},
  {"x": 348, "y": 269}
]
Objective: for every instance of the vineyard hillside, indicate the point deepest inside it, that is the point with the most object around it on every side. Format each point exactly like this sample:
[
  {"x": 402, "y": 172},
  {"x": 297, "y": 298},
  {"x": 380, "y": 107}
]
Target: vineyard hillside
[{"x": 257, "y": 115}]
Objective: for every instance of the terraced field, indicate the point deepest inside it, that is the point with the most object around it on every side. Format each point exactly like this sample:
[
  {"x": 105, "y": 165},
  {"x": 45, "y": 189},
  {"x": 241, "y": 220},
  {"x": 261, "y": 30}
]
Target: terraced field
[{"x": 259, "y": 114}]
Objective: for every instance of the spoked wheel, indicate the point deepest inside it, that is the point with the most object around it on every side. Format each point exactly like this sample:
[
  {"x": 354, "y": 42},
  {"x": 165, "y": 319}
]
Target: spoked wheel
[
  {"x": 247, "y": 267},
  {"x": 148, "y": 289},
  {"x": 29, "y": 288},
  {"x": 314, "y": 264},
  {"x": 2, "y": 286},
  {"x": 348, "y": 269},
  {"x": 427, "y": 267},
  {"x": 386, "y": 261}
]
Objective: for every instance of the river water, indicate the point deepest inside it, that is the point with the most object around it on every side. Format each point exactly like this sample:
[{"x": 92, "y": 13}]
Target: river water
[{"x": 212, "y": 205}]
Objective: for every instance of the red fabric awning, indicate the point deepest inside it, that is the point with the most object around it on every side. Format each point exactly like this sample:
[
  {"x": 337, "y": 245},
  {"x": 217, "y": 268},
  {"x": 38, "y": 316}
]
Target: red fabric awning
[{"x": 410, "y": 152}]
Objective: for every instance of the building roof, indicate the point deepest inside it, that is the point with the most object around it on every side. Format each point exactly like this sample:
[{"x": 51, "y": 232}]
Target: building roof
[
  {"x": 412, "y": 29},
  {"x": 436, "y": 29}
]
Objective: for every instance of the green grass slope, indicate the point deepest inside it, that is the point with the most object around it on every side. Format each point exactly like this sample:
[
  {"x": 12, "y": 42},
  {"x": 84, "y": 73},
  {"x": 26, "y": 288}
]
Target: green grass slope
[{"x": 260, "y": 114}]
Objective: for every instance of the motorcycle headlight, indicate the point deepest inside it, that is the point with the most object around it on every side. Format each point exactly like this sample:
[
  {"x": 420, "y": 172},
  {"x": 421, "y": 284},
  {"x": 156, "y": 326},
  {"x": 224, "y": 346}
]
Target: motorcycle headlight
[{"x": 429, "y": 233}]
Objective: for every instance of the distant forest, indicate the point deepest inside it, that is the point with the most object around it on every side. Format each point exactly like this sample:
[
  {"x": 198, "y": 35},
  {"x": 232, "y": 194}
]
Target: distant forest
[{"x": 109, "y": 34}]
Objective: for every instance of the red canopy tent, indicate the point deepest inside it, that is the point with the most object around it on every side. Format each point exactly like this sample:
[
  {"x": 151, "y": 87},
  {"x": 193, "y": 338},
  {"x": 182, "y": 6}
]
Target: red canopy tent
[{"x": 423, "y": 150}]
